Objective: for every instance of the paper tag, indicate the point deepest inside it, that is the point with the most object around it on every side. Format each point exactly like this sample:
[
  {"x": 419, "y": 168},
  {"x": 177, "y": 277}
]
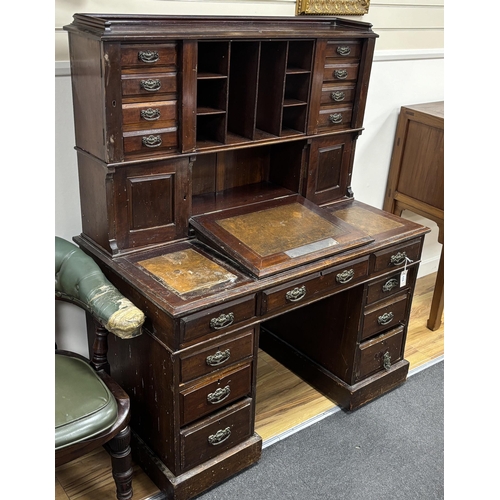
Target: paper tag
[{"x": 402, "y": 278}]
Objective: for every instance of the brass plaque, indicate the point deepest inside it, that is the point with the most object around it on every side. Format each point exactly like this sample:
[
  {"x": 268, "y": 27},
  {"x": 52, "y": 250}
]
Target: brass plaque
[
  {"x": 281, "y": 229},
  {"x": 367, "y": 221},
  {"x": 187, "y": 271}
]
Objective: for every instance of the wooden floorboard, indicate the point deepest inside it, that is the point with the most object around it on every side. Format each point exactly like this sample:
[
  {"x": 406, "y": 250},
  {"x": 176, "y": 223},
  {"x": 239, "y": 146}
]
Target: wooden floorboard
[{"x": 284, "y": 402}]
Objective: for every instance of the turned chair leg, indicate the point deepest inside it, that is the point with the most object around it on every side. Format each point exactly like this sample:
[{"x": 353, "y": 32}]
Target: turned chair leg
[{"x": 121, "y": 463}]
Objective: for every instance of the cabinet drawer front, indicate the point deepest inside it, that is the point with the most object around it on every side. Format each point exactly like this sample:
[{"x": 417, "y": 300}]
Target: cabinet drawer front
[
  {"x": 333, "y": 95},
  {"x": 388, "y": 315},
  {"x": 395, "y": 257},
  {"x": 210, "y": 395},
  {"x": 388, "y": 286},
  {"x": 343, "y": 49},
  {"x": 347, "y": 72},
  {"x": 147, "y": 56},
  {"x": 380, "y": 353},
  {"x": 206, "y": 439},
  {"x": 220, "y": 318},
  {"x": 218, "y": 356},
  {"x": 149, "y": 115},
  {"x": 149, "y": 85},
  {"x": 149, "y": 142},
  {"x": 333, "y": 118}
]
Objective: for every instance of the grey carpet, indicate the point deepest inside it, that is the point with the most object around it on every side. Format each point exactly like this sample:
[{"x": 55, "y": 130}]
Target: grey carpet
[{"x": 393, "y": 448}]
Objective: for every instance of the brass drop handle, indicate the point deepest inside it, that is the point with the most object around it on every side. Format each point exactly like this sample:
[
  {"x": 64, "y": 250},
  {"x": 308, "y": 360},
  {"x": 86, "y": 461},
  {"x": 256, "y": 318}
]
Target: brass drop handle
[
  {"x": 390, "y": 285},
  {"x": 151, "y": 141},
  {"x": 151, "y": 85},
  {"x": 387, "y": 361},
  {"x": 343, "y": 50},
  {"x": 336, "y": 118},
  {"x": 148, "y": 56},
  {"x": 386, "y": 318},
  {"x": 345, "y": 276},
  {"x": 341, "y": 74},
  {"x": 219, "y": 437},
  {"x": 219, "y": 395},
  {"x": 150, "y": 114},
  {"x": 223, "y": 321},
  {"x": 398, "y": 258},
  {"x": 337, "y": 96},
  {"x": 218, "y": 358},
  {"x": 298, "y": 293}
]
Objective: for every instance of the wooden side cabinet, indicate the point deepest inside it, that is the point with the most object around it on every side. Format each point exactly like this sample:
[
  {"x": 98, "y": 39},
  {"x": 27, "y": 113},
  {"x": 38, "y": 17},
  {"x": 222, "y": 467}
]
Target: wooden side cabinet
[{"x": 416, "y": 178}]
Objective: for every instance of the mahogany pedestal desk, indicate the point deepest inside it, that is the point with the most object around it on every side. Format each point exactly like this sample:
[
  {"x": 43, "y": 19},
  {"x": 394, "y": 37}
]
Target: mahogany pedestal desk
[
  {"x": 215, "y": 159},
  {"x": 416, "y": 178}
]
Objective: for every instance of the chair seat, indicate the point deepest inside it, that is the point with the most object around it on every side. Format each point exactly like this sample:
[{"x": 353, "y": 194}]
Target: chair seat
[{"x": 84, "y": 406}]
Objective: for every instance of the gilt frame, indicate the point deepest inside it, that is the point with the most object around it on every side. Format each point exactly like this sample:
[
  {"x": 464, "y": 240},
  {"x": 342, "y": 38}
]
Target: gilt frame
[{"x": 337, "y": 7}]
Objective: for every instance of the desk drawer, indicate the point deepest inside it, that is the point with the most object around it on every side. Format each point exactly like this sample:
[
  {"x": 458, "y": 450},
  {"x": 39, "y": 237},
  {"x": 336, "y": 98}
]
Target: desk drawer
[
  {"x": 394, "y": 257},
  {"x": 229, "y": 350},
  {"x": 149, "y": 56},
  {"x": 333, "y": 95},
  {"x": 149, "y": 85},
  {"x": 149, "y": 115},
  {"x": 386, "y": 315},
  {"x": 215, "y": 392},
  {"x": 388, "y": 286},
  {"x": 380, "y": 353},
  {"x": 338, "y": 49},
  {"x": 341, "y": 72},
  {"x": 149, "y": 141},
  {"x": 217, "y": 319},
  {"x": 335, "y": 118},
  {"x": 210, "y": 437}
]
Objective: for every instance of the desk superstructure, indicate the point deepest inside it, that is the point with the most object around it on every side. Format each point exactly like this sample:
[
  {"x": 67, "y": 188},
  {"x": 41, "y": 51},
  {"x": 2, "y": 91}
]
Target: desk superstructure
[{"x": 215, "y": 157}]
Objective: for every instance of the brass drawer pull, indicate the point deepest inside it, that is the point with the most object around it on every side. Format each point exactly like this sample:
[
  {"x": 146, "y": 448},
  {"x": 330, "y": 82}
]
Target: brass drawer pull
[
  {"x": 387, "y": 361},
  {"x": 150, "y": 114},
  {"x": 218, "y": 358},
  {"x": 343, "y": 51},
  {"x": 345, "y": 276},
  {"x": 398, "y": 258},
  {"x": 223, "y": 321},
  {"x": 219, "y": 437},
  {"x": 390, "y": 285},
  {"x": 151, "y": 85},
  {"x": 219, "y": 395},
  {"x": 296, "y": 294},
  {"x": 151, "y": 141},
  {"x": 341, "y": 74},
  {"x": 337, "y": 96},
  {"x": 385, "y": 319},
  {"x": 336, "y": 118},
  {"x": 148, "y": 56}
]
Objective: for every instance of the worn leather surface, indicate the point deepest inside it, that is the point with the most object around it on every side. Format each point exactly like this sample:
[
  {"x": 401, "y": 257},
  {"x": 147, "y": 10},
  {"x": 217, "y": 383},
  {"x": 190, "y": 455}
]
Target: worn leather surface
[
  {"x": 84, "y": 406},
  {"x": 79, "y": 279}
]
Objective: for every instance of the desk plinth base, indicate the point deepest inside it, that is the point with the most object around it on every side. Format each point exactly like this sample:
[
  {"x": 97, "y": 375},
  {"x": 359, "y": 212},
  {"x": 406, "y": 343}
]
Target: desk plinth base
[
  {"x": 200, "y": 478},
  {"x": 348, "y": 397}
]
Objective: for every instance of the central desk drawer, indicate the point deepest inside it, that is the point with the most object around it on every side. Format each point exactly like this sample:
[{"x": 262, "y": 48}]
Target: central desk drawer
[
  {"x": 215, "y": 434},
  {"x": 217, "y": 319},
  {"x": 215, "y": 392},
  {"x": 387, "y": 315},
  {"x": 318, "y": 285}
]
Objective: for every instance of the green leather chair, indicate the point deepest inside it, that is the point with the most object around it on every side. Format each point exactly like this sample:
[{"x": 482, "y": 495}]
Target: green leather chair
[{"x": 91, "y": 409}]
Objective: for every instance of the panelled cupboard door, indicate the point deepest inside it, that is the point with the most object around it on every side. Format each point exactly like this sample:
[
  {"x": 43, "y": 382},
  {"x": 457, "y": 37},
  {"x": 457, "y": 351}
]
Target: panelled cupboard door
[{"x": 152, "y": 205}]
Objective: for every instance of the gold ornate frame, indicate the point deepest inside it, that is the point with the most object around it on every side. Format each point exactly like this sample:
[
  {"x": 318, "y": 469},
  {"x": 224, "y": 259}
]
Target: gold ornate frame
[{"x": 338, "y": 7}]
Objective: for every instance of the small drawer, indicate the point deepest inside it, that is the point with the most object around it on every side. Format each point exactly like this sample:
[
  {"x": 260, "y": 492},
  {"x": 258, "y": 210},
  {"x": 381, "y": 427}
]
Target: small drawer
[
  {"x": 337, "y": 95},
  {"x": 380, "y": 353},
  {"x": 335, "y": 117},
  {"x": 217, "y": 319},
  {"x": 215, "y": 434},
  {"x": 149, "y": 115},
  {"x": 395, "y": 257},
  {"x": 343, "y": 49},
  {"x": 388, "y": 286},
  {"x": 150, "y": 141},
  {"x": 149, "y": 85},
  {"x": 387, "y": 315},
  {"x": 215, "y": 392},
  {"x": 146, "y": 56},
  {"x": 347, "y": 72},
  {"x": 227, "y": 351}
]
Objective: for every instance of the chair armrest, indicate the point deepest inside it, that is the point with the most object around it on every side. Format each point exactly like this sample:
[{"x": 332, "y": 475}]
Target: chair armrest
[{"x": 80, "y": 280}]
